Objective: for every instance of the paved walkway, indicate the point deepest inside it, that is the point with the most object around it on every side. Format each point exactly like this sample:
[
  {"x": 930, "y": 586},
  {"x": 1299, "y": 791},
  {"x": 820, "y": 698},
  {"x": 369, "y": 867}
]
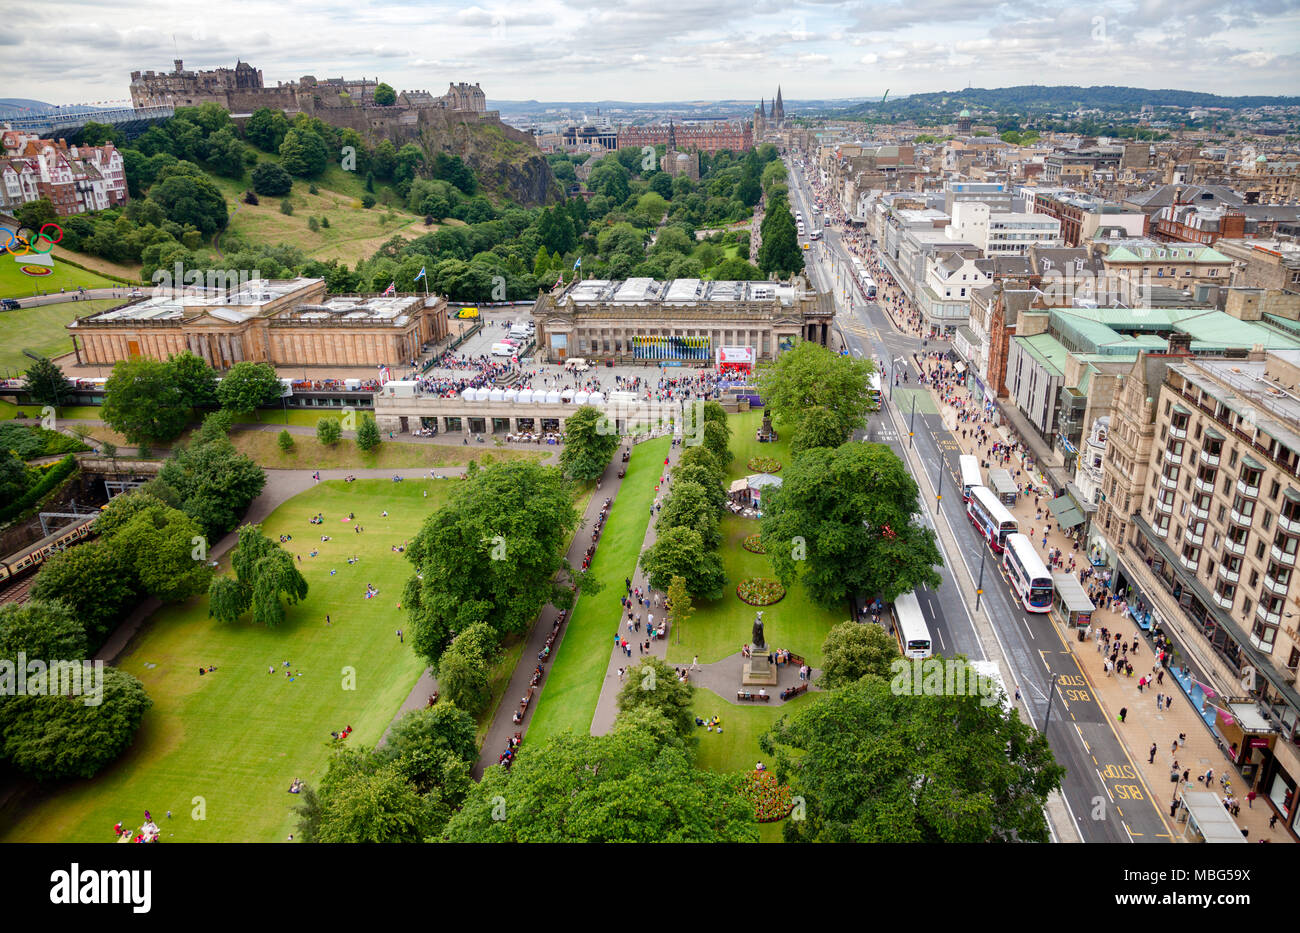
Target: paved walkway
[
  {"x": 607, "y": 706},
  {"x": 503, "y": 726},
  {"x": 1144, "y": 725}
]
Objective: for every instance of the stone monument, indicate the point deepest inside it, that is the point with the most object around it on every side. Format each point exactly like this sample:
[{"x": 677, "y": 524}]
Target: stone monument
[
  {"x": 766, "y": 433},
  {"x": 758, "y": 671}
]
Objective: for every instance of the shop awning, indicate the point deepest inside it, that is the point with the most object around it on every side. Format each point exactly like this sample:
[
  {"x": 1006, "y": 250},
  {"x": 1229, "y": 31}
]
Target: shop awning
[{"x": 1066, "y": 511}]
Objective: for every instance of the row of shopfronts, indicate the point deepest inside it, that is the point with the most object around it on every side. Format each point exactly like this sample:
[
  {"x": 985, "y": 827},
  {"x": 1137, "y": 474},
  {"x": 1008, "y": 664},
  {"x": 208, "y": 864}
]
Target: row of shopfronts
[{"x": 1258, "y": 725}]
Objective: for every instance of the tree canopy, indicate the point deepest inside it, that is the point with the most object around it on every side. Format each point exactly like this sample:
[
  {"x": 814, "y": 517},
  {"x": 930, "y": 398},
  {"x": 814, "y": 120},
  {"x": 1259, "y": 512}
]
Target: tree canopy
[
  {"x": 810, "y": 376},
  {"x": 856, "y": 511},
  {"x": 489, "y": 554},
  {"x": 589, "y": 444},
  {"x": 878, "y": 765}
]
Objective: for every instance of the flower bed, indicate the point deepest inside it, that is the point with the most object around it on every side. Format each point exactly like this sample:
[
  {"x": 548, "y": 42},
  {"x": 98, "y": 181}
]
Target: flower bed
[
  {"x": 760, "y": 591},
  {"x": 754, "y": 544},
  {"x": 771, "y": 799},
  {"x": 764, "y": 464}
]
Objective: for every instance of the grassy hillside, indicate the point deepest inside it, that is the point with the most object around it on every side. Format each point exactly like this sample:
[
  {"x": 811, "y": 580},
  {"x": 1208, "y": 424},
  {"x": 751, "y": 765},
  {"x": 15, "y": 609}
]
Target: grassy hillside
[{"x": 15, "y": 284}]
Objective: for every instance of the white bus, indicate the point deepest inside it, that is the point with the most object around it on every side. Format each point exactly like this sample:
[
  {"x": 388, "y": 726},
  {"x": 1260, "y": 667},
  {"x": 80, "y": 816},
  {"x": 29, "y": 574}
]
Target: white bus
[
  {"x": 991, "y": 517},
  {"x": 875, "y": 388},
  {"x": 909, "y": 627},
  {"x": 969, "y": 466},
  {"x": 815, "y": 235},
  {"x": 869, "y": 286},
  {"x": 1027, "y": 574}
]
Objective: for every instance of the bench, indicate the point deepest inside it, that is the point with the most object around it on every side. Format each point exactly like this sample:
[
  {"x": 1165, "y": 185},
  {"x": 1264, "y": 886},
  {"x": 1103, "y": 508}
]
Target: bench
[
  {"x": 751, "y": 697},
  {"x": 789, "y": 692}
]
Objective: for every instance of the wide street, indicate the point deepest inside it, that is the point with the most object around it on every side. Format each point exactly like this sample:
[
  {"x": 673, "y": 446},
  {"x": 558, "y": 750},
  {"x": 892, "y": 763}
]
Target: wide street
[{"x": 1104, "y": 793}]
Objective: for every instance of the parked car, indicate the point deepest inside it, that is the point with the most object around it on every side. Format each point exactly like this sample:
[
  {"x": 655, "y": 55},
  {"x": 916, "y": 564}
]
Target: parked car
[{"x": 9, "y": 304}]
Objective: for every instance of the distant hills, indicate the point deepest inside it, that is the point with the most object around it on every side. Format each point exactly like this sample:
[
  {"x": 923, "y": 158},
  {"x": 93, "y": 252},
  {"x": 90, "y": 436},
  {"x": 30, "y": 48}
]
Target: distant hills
[{"x": 1029, "y": 99}]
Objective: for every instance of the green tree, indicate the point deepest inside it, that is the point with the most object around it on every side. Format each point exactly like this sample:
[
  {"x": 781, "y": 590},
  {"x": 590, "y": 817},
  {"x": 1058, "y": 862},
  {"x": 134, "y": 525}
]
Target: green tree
[
  {"x": 852, "y": 650},
  {"x": 736, "y": 269},
  {"x": 779, "y": 253},
  {"x": 270, "y": 180},
  {"x": 39, "y": 629},
  {"x": 714, "y": 438},
  {"x": 956, "y": 769},
  {"x": 678, "y": 602},
  {"x": 328, "y": 431},
  {"x": 655, "y": 684},
  {"x": 94, "y": 582},
  {"x": 691, "y": 506},
  {"x": 266, "y": 129},
  {"x": 53, "y": 737},
  {"x": 490, "y": 554},
  {"x": 195, "y": 378},
  {"x": 264, "y": 572},
  {"x": 809, "y": 375},
  {"x": 434, "y": 748},
  {"x": 368, "y": 433},
  {"x": 248, "y": 386},
  {"x": 188, "y": 197},
  {"x": 303, "y": 153},
  {"x": 15, "y": 478},
  {"x": 47, "y": 384},
  {"x": 158, "y": 543},
  {"x": 589, "y": 444},
  {"x": 36, "y": 214},
  {"x": 818, "y": 427},
  {"x": 463, "y": 676},
  {"x": 680, "y": 552},
  {"x": 215, "y": 483},
  {"x": 285, "y": 441},
  {"x": 385, "y": 96},
  {"x": 857, "y": 510},
  {"x": 627, "y": 786},
  {"x": 143, "y": 401},
  {"x": 364, "y": 800}
]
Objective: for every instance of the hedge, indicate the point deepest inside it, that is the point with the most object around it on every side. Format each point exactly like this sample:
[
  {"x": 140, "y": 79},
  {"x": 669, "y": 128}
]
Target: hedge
[{"x": 56, "y": 474}]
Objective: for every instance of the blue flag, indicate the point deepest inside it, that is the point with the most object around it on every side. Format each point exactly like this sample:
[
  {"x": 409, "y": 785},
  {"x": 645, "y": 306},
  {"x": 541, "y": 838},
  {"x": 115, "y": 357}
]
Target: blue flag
[
  {"x": 421, "y": 275},
  {"x": 577, "y": 264}
]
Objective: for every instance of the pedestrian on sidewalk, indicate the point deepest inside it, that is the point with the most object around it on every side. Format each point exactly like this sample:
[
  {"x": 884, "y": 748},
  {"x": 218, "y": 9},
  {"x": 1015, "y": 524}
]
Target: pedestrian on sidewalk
[
  {"x": 695, "y": 665},
  {"x": 1250, "y": 798},
  {"x": 1182, "y": 738},
  {"x": 1123, "y": 713},
  {"x": 1160, "y": 701},
  {"x": 1151, "y": 759}
]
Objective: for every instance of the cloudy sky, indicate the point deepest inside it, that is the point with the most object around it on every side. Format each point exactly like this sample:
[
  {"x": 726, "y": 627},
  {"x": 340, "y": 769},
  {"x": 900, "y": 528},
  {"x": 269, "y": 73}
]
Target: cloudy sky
[{"x": 71, "y": 51}]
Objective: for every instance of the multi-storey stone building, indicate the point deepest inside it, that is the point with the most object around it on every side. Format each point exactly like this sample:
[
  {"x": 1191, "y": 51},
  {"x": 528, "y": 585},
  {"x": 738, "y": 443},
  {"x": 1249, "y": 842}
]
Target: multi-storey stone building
[
  {"x": 1201, "y": 512},
  {"x": 705, "y": 137},
  {"x": 75, "y": 179},
  {"x": 285, "y": 323},
  {"x": 682, "y": 319}
]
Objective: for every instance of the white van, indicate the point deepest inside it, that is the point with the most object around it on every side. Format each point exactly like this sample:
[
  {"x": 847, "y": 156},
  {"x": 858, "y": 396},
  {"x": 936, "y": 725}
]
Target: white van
[
  {"x": 503, "y": 349},
  {"x": 519, "y": 332}
]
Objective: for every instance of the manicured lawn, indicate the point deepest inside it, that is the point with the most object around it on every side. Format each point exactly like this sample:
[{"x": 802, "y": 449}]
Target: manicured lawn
[
  {"x": 736, "y": 749},
  {"x": 239, "y": 736},
  {"x": 309, "y": 454},
  {"x": 568, "y": 700},
  {"x": 14, "y": 283},
  {"x": 718, "y": 628},
  {"x": 745, "y": 446},
  {"x": 41, "y": 330}
]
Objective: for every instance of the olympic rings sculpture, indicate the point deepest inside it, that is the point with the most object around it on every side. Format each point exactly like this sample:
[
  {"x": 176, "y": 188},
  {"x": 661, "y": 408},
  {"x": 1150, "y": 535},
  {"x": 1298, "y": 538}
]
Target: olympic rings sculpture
[{"x": 28, "y": 240}]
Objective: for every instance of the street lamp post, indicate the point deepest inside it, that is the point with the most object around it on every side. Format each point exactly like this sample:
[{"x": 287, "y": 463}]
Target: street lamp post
[
  {"x": 979, "y": 587},
  {"x": 1051, "y": 695},
  {"x": 911, "y": 428}
]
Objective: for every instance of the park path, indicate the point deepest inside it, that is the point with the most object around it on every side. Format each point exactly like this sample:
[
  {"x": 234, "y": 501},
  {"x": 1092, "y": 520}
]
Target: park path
[
  {"x": 607, "y": 706},
  {"x": 503, "y": 726},
  {"x": 721, "y": 677}
]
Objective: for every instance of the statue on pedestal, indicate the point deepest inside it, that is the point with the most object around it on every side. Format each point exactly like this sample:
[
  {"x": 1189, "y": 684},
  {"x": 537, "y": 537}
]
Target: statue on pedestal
[{"x": 759, "y": 643}]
